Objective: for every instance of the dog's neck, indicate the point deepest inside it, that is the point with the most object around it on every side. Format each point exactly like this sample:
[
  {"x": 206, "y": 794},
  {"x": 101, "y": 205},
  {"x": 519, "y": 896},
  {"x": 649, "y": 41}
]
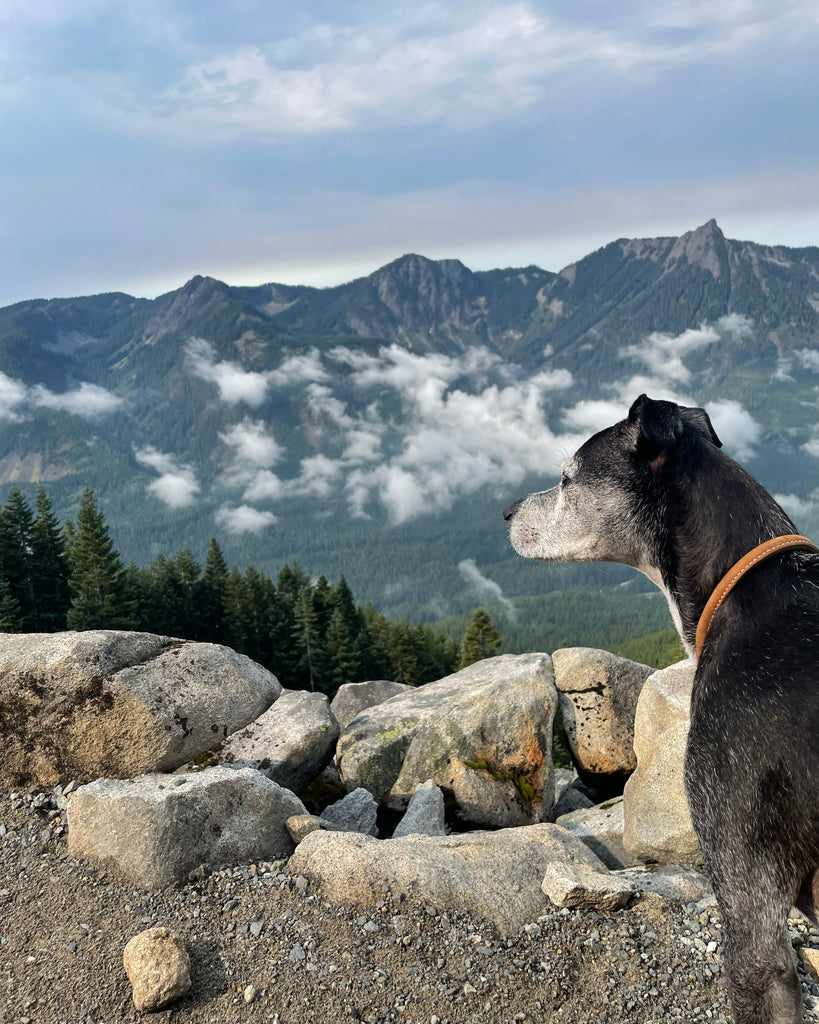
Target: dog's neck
[{"x": 715, "y": 515}]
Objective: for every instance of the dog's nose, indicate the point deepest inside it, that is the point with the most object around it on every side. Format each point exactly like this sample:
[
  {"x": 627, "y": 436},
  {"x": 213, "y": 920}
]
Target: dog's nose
[{"x": 508, "y": 513}]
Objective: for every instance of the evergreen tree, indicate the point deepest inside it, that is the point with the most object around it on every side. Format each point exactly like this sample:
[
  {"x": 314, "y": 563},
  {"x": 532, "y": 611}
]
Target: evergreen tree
[
  {"x": 10, "y": 621},
  {"x": 306, "y": 637},
  {"x": 100, "y": 598},
  {"x": 481, "y": 639},
  {"x": 50, "y": 567},
  {"x": 212, "y": 594},
  {"x": 16, "y": 556}
]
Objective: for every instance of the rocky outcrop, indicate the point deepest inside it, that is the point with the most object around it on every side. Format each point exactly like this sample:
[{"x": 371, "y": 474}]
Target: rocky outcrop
[
  {"x": 598, "y": 695},
  {"x": 291, "y": 743},
  {"x": 155, "y": 829},
  {"x": 484, "y": 735},
  {"x": 496, "y": 875},
  {"x": 158, "y": 967},
  {"x": 353, "y": 698},
  {"x": 118, "y": 704},
  {"x": 657, "y": 820}
]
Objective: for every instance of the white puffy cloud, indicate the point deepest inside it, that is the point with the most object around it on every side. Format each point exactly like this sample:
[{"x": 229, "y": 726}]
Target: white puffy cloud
[
  {"x": 234, "y": 384},
  {"x": 808, "y": 358},
  {"x": 483, "y": 585},
  {"x": 176, "y": 485},
  {"x": 253, "y": 444},
  {"x": 736, "y": 428},
  {"x": 12, "y": 396},
  {"x": 662, "y": 354},
  {"x": 88, "y": 401},
  {"x": 244, "y": 519},
  {"x": 459, "y": 440},
  {"x": 796, "y": 507}
]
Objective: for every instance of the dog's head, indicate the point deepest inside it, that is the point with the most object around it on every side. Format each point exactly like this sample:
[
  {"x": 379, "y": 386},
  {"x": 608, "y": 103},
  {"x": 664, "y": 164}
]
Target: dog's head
[{"x": 613, "y": 490}]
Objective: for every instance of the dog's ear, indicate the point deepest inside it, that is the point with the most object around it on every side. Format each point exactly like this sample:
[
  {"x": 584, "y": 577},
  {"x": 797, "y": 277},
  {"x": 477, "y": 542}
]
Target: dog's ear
[
  {"x": 659, "y": 425},
  {"x": 700, "y": 420}
]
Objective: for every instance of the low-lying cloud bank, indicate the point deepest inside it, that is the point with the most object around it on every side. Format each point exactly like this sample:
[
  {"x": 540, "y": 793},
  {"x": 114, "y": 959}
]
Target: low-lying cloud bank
[
  {"x": 88, "y": 401},
  {"x": 413, "y": 433}
]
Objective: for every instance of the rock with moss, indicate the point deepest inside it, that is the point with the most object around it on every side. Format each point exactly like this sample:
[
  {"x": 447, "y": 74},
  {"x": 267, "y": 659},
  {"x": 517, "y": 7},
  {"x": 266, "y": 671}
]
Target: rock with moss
[
  {"x": 117, "y": 704},
  {"x": 291, "y": 743},
  {"x": 483, "y": 735}
]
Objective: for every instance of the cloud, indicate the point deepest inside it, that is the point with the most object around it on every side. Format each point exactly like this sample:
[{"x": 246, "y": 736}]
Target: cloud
[
  {"x": 88, "y": 401},
  {"x": 176, "y": 486},
  {"x": 796, "y": 507},
  {"x": 808, "y": 358},
  {"x": 662, "y": 354},
  {"x": 243, "y": 519},
  {"x": 736, "y": 428},
  {"x": 13, "y": 395},
  {"x": 455, "y": 64},
  {"x": 253, "y": 444},
  {"x": 234, "y": 384},
  {"x": 483, "y": 585},
  {"x": 458, "y": 441}
]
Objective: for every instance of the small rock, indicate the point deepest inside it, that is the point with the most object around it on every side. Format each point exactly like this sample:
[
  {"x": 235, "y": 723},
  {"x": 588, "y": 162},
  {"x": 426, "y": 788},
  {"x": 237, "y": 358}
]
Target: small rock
[
  {"x": 425, "y": 813},
  {"x": 158, "y": 967},
  {"x": 578, "y": 885},
  {"x": 249, "y": 993},
  {"x": 810, "y": 958},
  {"x": 356, "y": 812}
]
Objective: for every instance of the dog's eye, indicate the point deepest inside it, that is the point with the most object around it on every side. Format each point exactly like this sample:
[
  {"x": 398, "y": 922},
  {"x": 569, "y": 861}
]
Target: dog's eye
[{"x": 564, "y": 481}]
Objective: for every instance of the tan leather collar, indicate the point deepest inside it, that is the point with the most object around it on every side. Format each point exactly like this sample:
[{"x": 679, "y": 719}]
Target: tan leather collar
[{"x": 787, "y": 542}]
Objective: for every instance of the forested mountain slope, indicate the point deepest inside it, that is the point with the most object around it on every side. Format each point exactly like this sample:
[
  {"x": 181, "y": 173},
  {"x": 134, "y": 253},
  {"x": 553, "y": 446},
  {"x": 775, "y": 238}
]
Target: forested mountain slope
[{"x": 377, "y": 428}]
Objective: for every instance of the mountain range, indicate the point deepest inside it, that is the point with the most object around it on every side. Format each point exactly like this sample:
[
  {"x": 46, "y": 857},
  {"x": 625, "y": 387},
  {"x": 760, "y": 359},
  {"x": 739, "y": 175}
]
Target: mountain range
[{"x": 377, "y": 428}]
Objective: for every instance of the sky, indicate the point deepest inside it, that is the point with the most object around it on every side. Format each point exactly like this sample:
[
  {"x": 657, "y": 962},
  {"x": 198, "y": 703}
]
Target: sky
[{"x": 145, "y": 141}]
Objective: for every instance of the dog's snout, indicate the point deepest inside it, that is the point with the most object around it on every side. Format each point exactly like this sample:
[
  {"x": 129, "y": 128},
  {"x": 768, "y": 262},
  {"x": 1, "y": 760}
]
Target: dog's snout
[{"x": 508, "y": 513}]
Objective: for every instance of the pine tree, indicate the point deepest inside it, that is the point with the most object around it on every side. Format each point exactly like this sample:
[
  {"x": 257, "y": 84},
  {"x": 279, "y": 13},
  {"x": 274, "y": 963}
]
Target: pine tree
[
  {"x": 16, "y": 561},
  {"x": 100, "y": 597},
  {"x": 481, "y": 639},
  {"x": 306, "y": 637},
  {"x": 212, "y": 594},
  {"x": 50, "y": 567},
  {"x": 10, "y": 621}
]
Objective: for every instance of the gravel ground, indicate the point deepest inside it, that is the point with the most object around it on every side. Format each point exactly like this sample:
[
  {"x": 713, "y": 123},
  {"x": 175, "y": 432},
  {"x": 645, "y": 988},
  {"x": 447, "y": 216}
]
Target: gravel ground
[{"x": 264, "y": 948}]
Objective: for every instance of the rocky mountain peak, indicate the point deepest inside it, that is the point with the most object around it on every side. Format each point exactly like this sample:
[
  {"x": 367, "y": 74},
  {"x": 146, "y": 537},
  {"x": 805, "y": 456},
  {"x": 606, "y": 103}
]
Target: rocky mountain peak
[{"x": 704, "y": 247}]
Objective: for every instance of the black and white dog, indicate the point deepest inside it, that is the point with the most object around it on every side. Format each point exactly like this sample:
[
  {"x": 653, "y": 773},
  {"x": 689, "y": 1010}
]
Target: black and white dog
[{"x": 655, "y": 492}]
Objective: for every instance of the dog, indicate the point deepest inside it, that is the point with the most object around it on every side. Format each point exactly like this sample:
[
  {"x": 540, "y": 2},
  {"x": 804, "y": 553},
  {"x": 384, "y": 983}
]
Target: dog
[{"x": 655, "y": 492}]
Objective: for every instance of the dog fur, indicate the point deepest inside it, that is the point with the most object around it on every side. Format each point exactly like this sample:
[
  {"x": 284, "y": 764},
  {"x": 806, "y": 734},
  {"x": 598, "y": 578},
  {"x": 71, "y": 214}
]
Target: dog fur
[{"x": 655, "y": 492}]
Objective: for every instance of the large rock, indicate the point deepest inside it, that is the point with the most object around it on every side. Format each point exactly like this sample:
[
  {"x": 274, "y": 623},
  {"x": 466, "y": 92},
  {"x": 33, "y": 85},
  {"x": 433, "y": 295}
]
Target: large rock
[
  {"x": 657, "y": 821},
  {"x": 484, "y": 735},
  {"x": 155, "y": 829},
  {"x": 495, "y": 875},
  {"x": 118, "y": 704},
  {"x": 598, "y": 695},
  {"x": 353, "y": 698},
  {"x": 291, "y": 743},
  {"x": 601, "y": 828}
]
